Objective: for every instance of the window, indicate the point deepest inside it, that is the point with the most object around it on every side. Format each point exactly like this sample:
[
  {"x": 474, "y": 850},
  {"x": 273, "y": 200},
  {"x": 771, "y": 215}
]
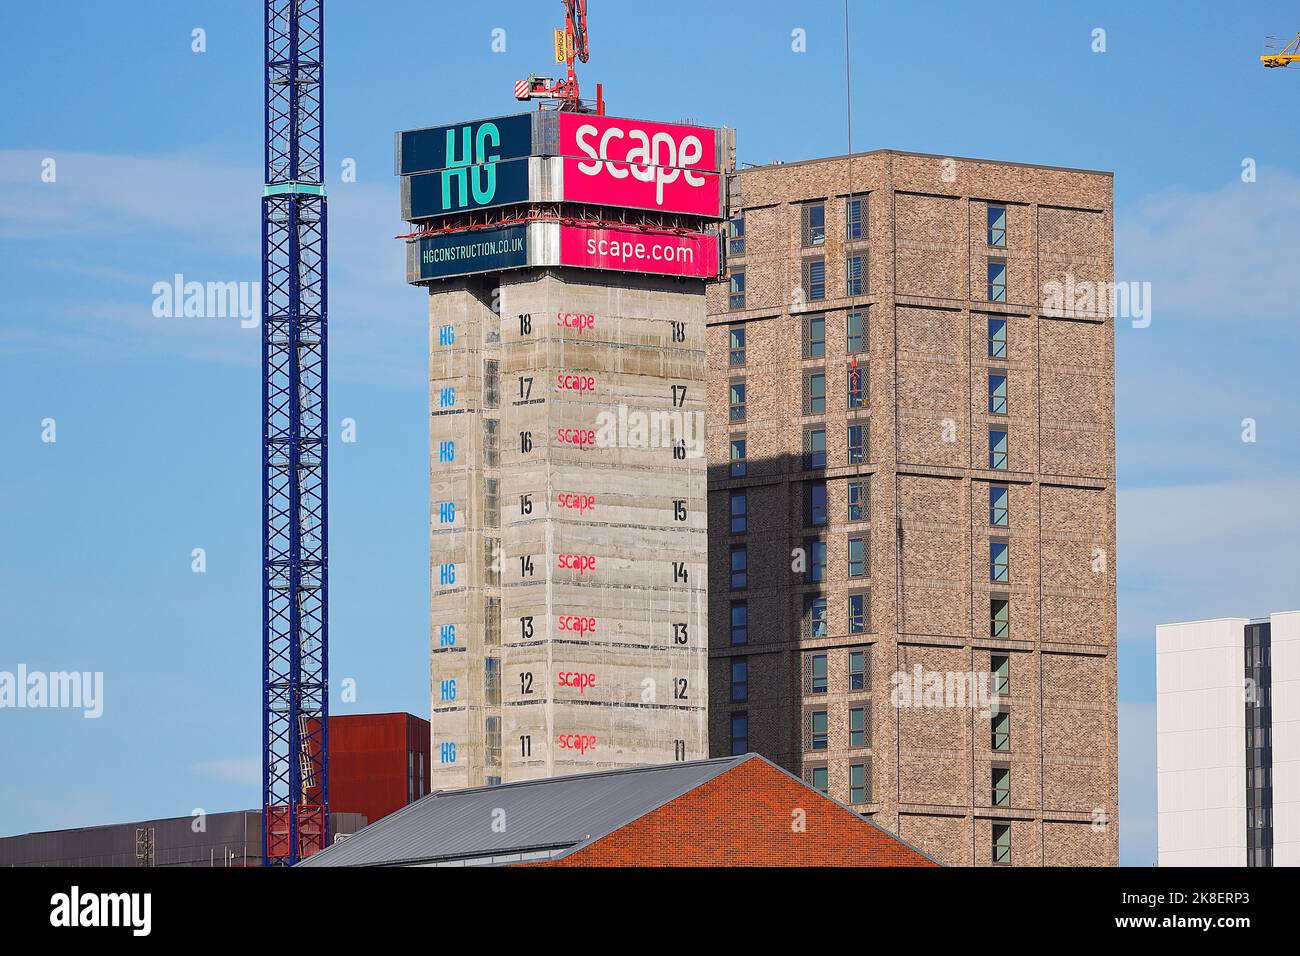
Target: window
[
  {"x": 857, "y": 558},
  {"x": 857, "y": 385},
  {"x": 815, "y": 337},
  {"x": 1001, "y": 786},
  {"x": 1000, "y": 665},
  {"x": 739, "y": 512},
  {"x": 739, "y": 679},
  {"x": 999, "y": 617},
  {"x": 820, "y": 728},
  {"x": 816, "y": 552},
  {"x": 997, "y": 338},
  {"x": 736, "y": 245},
  {"x": 492, "y": 621},
  {"x": 998, "y": 450},
  {"x": 739, "y": 733},
  {"x": 739, "y": 622},
  {"x": 813, "y": 224},
  {"x": 855, "y": 274},
  {"x": 855, "y": 218},
  {"x": 857, "y": 444},
  {"x": 491, "y": 442},
  {"x": 817, "y": 673},
  {"x": 998, "y": 226},
  {"x": 856, "y": 324},
  {"x": 1001, "y": 727},
  {"x": 999, "y": 561},
  {"x": 814, "y": 616},
  {"x": 814, "y": 279},
  {"x": 737, "y": 338},
  {"x": 737, "y": 458},
  {"x": 492, "y": 679},
  {"x": 737, "y": 399},
  {"x": 857, "y": 614},
  {"x": 857, "y": 670},
  {"x": 1002, "y": 843},
  {"x": 815, "y": 390},
  {"x": 491, "y": 383},
  {"x": 492, "y": 560},
  {"x": 999, "y": 503},
  {"x": 740, "y": 567},
  {"x": 814, "y": 448},
  {"x": 997, "y": 281},
  {"x": 857, "y": 501},
  {"x": 859, "y": 784},
  {"x": 492, "y": 740},
  {"x": 737, "y": 290},
  {"x": 491, "y": 502},
  {"x": 857, "y": 726},
  {"x": 816, "y": 502},
  {"x": 819, "y": 778},
  {"x": 997, "y": 394}
]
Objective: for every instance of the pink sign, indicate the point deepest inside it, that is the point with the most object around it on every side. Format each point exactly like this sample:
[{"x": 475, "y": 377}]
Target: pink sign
[
  {"x": 620, "y": 162},
  {"x": 630, "y": 250}
]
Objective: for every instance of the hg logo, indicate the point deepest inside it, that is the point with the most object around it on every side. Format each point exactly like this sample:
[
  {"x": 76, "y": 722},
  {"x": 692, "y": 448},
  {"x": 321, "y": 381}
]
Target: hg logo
[{"x": 474, "y": 170}]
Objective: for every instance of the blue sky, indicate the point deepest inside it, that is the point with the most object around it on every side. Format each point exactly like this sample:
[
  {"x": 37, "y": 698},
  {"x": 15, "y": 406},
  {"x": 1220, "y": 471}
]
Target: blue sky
[{"x": 158, "y": 153}]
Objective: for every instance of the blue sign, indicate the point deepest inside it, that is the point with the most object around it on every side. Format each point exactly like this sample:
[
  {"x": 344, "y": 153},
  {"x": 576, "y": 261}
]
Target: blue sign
[
  {"x": 460, "y": 188},
  {"x": 465, "y": 144},
  {"x": 465, "y": 253}
]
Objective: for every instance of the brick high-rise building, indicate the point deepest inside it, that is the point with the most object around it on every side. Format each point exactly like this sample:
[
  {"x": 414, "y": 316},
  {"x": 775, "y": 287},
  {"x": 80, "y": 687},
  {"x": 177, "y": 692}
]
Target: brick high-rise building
[{"x": 911, "y": 497}]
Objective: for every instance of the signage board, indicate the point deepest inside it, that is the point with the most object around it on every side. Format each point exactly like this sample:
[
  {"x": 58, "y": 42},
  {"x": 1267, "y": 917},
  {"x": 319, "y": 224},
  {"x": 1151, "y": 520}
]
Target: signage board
[
  {"x": 457, "y": 189},
  {"x": 612, "y": 161},
  {"x": 693, "y": 254},
  {"x": 467, "y": 253},
  {"x": 604, "y": 160},
  {"x": 465, "y": 144}
]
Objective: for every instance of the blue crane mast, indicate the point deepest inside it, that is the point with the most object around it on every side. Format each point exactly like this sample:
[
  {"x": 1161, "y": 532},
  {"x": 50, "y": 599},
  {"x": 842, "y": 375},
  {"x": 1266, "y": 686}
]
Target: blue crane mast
[{"x": 295, "y": 595}]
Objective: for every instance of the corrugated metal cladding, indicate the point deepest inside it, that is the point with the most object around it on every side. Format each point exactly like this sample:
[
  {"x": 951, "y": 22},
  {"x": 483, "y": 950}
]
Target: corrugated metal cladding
[
  {"x": 226, "y": 839},
  {"x": 378, "y": 762},
  {"x": 548, "y": 814}
]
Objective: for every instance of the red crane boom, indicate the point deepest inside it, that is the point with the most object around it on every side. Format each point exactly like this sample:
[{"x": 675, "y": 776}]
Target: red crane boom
[{"x": 570, "y": 45}]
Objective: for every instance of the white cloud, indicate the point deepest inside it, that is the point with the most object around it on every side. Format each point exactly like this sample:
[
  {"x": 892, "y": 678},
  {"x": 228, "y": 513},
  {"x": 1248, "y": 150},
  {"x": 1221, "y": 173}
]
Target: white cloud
[
  {"x": 1226, "y": 255},
  {"x": 86, "y": 250}
]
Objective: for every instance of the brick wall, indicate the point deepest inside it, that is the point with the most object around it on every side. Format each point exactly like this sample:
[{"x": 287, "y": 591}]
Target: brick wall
[
  {"x": 752, "y": 815},
  {"x": 928, "y": 479}
]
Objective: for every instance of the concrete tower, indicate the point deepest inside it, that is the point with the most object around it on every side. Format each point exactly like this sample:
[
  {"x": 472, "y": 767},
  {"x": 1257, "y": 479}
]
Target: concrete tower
[{"x": 565, "y": 256}]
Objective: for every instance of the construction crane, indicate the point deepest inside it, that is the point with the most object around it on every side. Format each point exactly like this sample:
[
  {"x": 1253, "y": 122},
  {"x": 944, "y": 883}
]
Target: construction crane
[
  {"x": 570, "y": 44},
  {"x": 1284, "y": 57},
  {"x": 295, "y": 602}
]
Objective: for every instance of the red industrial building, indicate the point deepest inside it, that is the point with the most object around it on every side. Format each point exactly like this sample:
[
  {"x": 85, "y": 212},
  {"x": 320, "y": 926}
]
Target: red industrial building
[{"x": 378, "y": 763}]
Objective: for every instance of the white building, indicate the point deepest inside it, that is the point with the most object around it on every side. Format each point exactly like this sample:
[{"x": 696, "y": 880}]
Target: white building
[{"x": 1228, "y": 741}]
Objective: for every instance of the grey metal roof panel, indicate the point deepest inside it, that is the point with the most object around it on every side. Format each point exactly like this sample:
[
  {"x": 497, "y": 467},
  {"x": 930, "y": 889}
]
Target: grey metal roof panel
[{"x": 550, "y": 812}]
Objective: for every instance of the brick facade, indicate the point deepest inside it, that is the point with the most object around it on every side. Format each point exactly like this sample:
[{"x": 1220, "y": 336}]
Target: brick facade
[{"x": 930, "y": 592}]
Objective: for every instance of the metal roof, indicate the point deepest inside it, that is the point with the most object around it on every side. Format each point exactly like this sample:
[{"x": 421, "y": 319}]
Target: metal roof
[{"x": 550, "y": 813}]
